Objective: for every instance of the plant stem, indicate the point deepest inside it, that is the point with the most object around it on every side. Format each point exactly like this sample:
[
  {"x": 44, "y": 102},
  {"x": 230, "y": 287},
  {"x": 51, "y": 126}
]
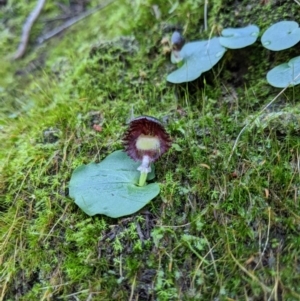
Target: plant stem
[{"x": 143, "y": 178}]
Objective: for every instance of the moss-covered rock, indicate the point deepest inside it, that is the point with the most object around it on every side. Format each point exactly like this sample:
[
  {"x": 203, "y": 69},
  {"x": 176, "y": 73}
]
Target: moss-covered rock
[{"x": 226, "y": 223}]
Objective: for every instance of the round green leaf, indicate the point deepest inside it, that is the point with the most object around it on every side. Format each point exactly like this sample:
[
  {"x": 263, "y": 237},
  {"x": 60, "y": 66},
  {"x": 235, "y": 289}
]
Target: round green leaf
[
  {"x": 198, "y": 57},
  {"x": 281, "y": 35},
  {"x": 285, "y": 74},
  {"x": 235, "y": 38},
  {"x": 110, "y": 187}
]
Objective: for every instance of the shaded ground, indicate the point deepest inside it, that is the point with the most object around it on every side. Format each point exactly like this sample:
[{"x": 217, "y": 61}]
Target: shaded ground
[{"x": 225, "y": 225}]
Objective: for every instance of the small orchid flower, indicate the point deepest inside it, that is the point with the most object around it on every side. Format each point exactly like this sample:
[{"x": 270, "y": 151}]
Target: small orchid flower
[
  {"x": 146, "y": 140},
  {"x": 177, "y": 41}
]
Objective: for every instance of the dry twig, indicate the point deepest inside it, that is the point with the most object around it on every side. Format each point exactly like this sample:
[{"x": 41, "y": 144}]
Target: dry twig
[
  {"x": 72, "y": 21},
  {"x": 34, "y": 15},
  {"x": 27, "y": 28}
]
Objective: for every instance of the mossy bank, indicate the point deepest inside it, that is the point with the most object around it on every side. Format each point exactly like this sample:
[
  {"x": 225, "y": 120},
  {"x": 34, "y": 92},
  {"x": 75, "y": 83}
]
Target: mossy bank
[{"x": 226, "y": 223}]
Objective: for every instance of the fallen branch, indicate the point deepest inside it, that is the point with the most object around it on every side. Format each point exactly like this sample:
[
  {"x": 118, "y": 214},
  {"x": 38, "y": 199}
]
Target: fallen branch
[
  {"x": 27, "y": 28},
  {"x": 71, "y": 22}
]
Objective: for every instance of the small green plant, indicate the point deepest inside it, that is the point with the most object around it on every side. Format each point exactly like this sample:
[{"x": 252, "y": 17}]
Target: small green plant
[
  {"x": 197, "y": 57},
  {"x": 280, "y": 36},
  {"x": 116, "y": 186},
  {"x": 235, "y": 38},
  {"x": 200, "y": 56},
  {"x": 285, "y": 74}
]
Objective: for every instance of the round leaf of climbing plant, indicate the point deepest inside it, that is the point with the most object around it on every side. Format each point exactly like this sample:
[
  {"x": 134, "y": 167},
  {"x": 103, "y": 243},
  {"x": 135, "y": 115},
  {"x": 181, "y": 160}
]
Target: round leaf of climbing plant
[
  {"x": 198, "y": 57},
  {"x": 235, "y": 38},
  {"x": 281, "y": 35},
  {"x": 110, "y": 187},
  {"x": 285, "y": 74}
]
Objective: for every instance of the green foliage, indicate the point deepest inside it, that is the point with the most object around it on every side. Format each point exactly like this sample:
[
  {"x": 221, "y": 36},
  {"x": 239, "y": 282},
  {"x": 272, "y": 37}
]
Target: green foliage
[
  {"x": 200, "y": 56},
  {"x": 197, "y": 58},
  {"x": 235, "y": 38},
  {"x": 111, "y": 187},
  {"x": 281, "y": 35},
  {"x": 220, "y": 229},
  {"x": 285, "y": 74}
]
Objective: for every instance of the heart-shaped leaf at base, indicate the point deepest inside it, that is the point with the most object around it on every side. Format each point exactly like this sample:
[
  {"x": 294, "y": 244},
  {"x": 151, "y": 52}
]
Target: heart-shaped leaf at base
[
  {"x": 198, "y": 57},
  {"x": 110, "y": 187},
  {"x": 235, "y": 38},
  {"x": 281, "y": 35},
  {"x": 285, "y": 74}
]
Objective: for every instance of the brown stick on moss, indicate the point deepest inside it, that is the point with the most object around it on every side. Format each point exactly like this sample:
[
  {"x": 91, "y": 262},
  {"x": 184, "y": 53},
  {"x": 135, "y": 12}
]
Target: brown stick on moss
[
  {"x": 72, "y": 21},
  {"x": 27, "y": 28}
]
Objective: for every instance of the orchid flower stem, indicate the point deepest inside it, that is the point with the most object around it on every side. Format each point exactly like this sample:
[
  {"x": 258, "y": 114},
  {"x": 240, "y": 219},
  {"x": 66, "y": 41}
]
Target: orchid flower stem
[{"x": 143, "y": 178}]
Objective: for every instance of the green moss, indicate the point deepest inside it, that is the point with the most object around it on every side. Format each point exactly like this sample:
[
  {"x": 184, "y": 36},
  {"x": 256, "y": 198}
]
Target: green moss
[{"x": 225, "y": 224}]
